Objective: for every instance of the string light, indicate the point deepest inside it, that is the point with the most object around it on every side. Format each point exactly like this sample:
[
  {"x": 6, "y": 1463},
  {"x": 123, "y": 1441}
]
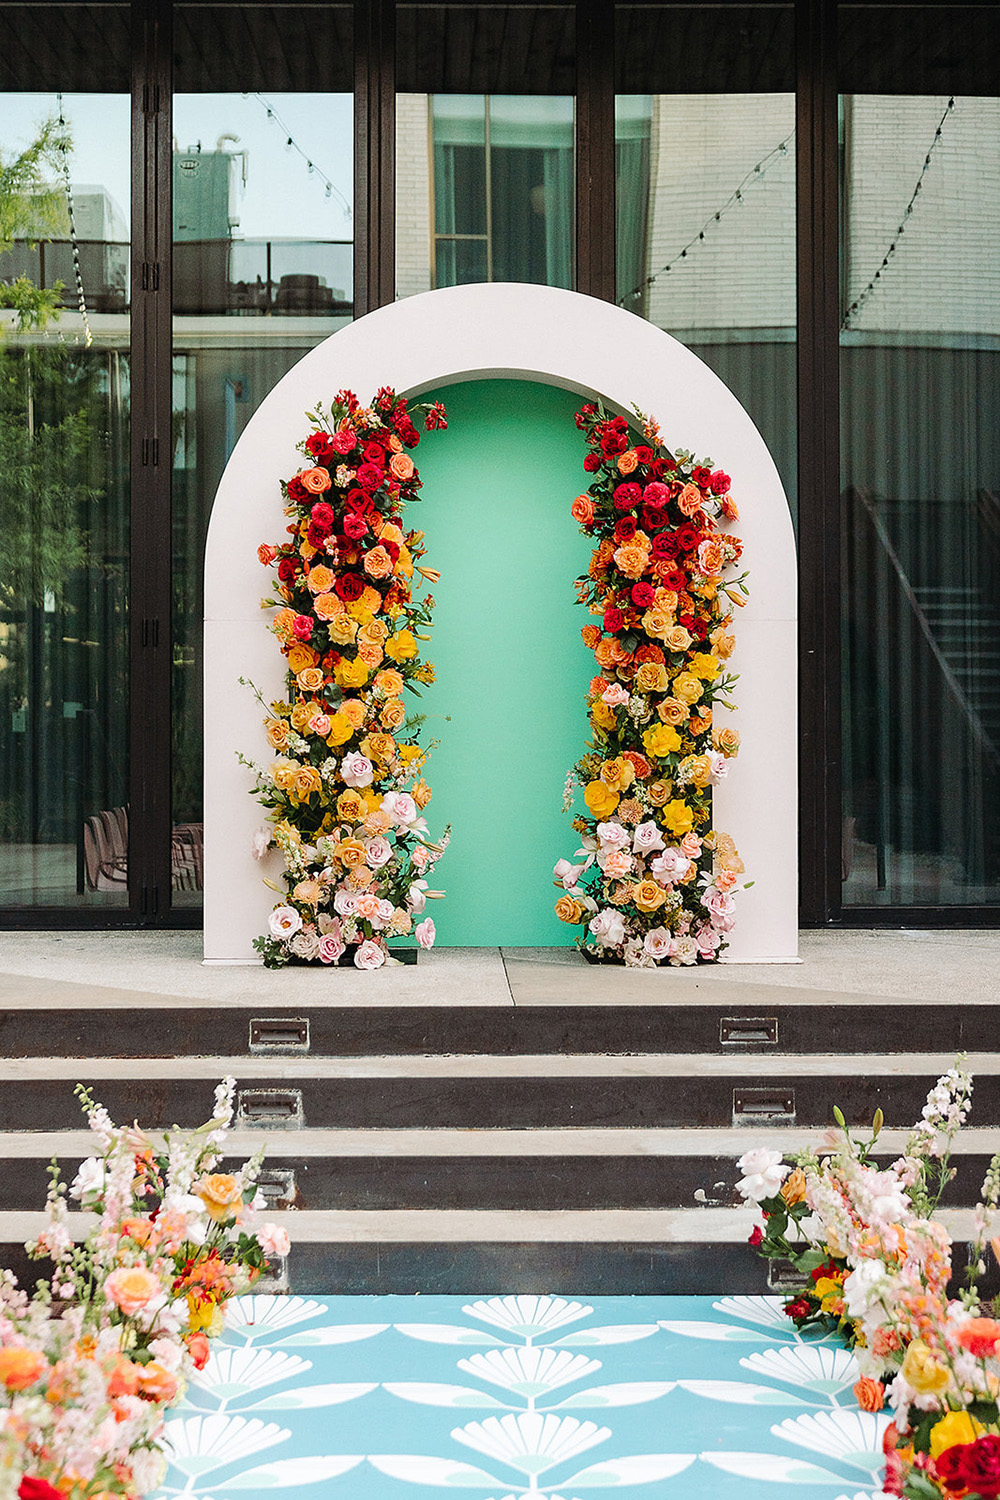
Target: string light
[
  {"x": 78, "y": 274},
  {"x": 860, "y": 300},
  {"x": 736, "y": 199},
  {"x": 291, "y": 144}
]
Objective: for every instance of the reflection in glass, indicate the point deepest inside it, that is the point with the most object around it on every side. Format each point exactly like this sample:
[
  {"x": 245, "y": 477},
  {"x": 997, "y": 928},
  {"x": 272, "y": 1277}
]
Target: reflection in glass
[
  {"x": 64, "y": 497},
  {"x": 705, "y": 168},
  {"x": 920, "y": 370},
  {"x": 263, "y": 271}
]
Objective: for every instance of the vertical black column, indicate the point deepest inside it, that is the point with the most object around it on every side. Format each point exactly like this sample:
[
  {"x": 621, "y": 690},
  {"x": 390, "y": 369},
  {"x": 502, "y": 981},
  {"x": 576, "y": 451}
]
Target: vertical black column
[
  {"x": 819, "y": 461},
  {"x": 149, "y": 613},
  {"x": 595, "y": 148},
  {"x": 374, "y": 154}
]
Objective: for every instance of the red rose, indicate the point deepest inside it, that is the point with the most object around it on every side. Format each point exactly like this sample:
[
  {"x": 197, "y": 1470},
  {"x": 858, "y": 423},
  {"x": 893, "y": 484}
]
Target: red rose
[
  {"x": 349, "y": 586},
  {"x": 592, "y": 463},
  {"x": 37, "y": 1489},
  {"x": 627, "y": 496},
  {"x": 624, "y": 529},
  {"x": 613, "y": 620},
  {"x": 643, "y": 595},
  {"x": 698, "y": 629},
  {"x": 302, "y": 627},
  {"x": 358, "y": 501},
  {"x": 653, "y": 517},
  {"x": 687, "y": 538},
  {"x": 756, "y": 1238},
  {"x": 322, "y": 515},
  {"x": 701, "y": 476},
  {"x": 287, "y": 569},
  {"x": 355, "y": 526},
  {"x": 316, "y": 536},
  {"x": 369, "y": 477},
  {"x": 665, "y": 546},
  {"x": 613, "y": 443},
  {"x": 374, "y": 453},
  {"x": 949, "y": 1466},
  {"x": 672, "y": 578},
  {"x": 798, "y": 1309},
  {"x": 979, "y": 1465},
  {"x": 319, "y": 445},
  {"x": 719, "y": 483},
  {"x": 644, "y": 454},
  {"x": 296, "y": 490}
]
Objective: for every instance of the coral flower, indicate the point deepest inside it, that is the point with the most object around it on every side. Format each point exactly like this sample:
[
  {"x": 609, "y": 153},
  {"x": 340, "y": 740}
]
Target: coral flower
[
  {"x": 131, "y": 1288},
  {"x": 316, "y": 481},
  {"x": 21, "y": 1368}
]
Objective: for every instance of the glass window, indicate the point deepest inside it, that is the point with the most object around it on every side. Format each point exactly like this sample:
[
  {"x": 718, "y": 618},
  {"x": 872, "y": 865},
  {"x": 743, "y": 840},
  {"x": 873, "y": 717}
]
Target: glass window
[
  {"x": 263, "y": 270},
  {"x": 64, "y": 456},
  {"x": 484, "y": 180},
  {"x": 705, "y": 167},
  {"x": 920, "y": 373}
]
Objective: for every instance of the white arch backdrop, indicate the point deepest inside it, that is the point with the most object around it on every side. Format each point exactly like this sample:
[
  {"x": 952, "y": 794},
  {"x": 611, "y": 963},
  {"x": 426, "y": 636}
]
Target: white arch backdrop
[{"x": 580, "y": 344}]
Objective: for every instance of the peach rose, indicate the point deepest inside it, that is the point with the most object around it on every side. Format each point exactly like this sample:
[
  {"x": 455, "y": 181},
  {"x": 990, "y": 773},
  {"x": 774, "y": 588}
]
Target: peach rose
[
  {"x": 677, "y": 639},
  {"x": 317, "y": 480},
  {"x": 389, "y": 682},
  {"x": 689, "y": 500},
  {"x": 672, "y": 710},
  {"x": 648, "y": 895},
  {"x": 21, "y": 1368},
  {"x": 371, "y": 655},
  {"x": 360, "y": 877},
  {"x": 310, "y": 679},
  {"x": 283, "y": 774},
  {"x": 723, "y": 643},
  {"x": 401, "y": 466},
  {"x": 702, "y": 720},
  {"x": 421, "y": 793},
  {"x": 656, "y": 622},
  {"x": 327, "y": 606},
  {"x": 277, "y": 733},
  {"x": 582, "y": 510},
  {"x": 393, "y": 715},
  {"x": 351, "y": 852},
  {"x": 131, "y": 1288},
  {"x": 374, "y": 632},
  {"x": 628, "y": 461},
  {"x": 156, "y": 1383},
  {"x": 658, "y": 792},
  {"x": 711, "y": 557},
  {"x": 354, "y": 711},
  {"x": 378, "y": 563},
  {"x": 631, "y": 560},
  {"x": 342, "y": 630}
]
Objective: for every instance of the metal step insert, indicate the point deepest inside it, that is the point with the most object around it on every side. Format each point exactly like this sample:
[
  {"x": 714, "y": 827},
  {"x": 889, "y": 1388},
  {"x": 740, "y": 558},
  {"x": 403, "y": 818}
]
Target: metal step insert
[{"x": 754, "y": 1104}]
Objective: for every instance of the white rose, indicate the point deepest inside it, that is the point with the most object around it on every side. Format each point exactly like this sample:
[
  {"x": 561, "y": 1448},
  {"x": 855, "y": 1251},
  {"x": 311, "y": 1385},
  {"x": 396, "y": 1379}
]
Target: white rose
[
  {"x": 657, "y": 943},
  {"x": 612, "y": 835},
  {"x": 647, "y": 837},
  {"x": 763, "y": 1172},
  {"x": 284, "y": 921},
  {"x": 356, "y": 769},
  {"x": 89, "y": 1179},
  {"x": 378, "y": 852},
  {"x": 608, "y": 928},
  {"x": 260, "y": 843},
  {"x": 369, "y": 956}
]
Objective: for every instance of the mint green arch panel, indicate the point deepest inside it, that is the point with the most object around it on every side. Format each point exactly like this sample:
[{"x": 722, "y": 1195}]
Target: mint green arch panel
[{"x": 512, "y": 671}]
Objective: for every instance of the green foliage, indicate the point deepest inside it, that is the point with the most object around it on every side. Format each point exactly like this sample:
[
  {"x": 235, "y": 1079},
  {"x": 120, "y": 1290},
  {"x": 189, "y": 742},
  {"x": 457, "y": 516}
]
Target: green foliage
[{"x": 32, "y": 207}]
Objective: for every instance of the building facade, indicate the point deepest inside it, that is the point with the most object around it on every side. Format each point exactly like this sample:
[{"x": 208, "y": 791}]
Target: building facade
[{"x": 808, "y": 195}]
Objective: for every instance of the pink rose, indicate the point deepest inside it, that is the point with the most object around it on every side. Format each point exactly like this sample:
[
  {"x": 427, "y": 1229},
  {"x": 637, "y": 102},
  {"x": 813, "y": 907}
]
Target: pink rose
[
  {"x": 691, "y": 845},
  {"x": 302, "y": 627},
  {"x": 615, "y": 694},
  {"x": 425, "y": 932},
  {"x": 401, "y": 808},
  {"x": 370, "y": 955},
  {"x": 647, "y": 838},
  {"x": 320, "y": 724},
  {"x": 356, "y": 769},
  {"x": 608, "y": 927},
  {"x": 378, "y": 852},
  {"x": 655, "y": 494},
  {"x": 344, "y": 442},
  {"x": 331, "y": 946},
  {"x": 272, "y": 1240},
  {"x": 657, "y": 943},
  {"x": 615, "y": 863},
  {"x": 612, "y": 835}
]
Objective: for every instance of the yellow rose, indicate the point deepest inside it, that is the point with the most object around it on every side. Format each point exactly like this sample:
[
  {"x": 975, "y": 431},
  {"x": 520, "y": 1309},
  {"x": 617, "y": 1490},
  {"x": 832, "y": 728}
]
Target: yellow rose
[
  {"x": 648, "y": 895},
  {"x": 220, "y": 1194},
  {"x": 351, "y": 674},
  {"x": 401, "y": 646},
  {"x": 302, "y": 712},
  {"x": 658, "y": 792},
  {"x": 603, "y": 714},
  {"x": 374, "y": 633},
  {"x": 277, "y": 733},
  {"x": 351, "y": 853},
  {"x": 618, "y": 774},
  {"x": 677, "y": 817},
  {"x": 651, "y": 677},
  {"x": 307, "y": 781},
  {"x": 341, "y": 730},
  {"x": 283, "y": 774},
  {"x": 421, "y": 793},
  {"x": 568, "y": 909},
  {"x": 350, "y": 806},
  {"x": 378, "y": 747},
  {"x": 601, "y": 800},
  {"x": 661, "y": 740},
  {"x": 954, "y": 1428},
  {"x": 704, "y": 664},
  {"x": 687, "y": 688},
  {"x": 696, "y": 769},
  {"x": 727, "y": 740},
  {"x": 354, "y": 711},
  {"x": 301, "y": 656},
  {"x": 677, "y": 639},
  {"x": 657, "y": 622},
  {"x": 342, "y": 630},
  {"x": 926, "y": 1374}
]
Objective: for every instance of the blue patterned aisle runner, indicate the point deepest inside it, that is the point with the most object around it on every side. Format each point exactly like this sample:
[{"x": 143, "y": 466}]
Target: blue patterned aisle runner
[{"x": 522, "y": 1398}]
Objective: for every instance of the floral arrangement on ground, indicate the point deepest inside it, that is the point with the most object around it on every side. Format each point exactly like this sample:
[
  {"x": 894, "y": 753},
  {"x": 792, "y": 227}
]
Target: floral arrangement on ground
[
  {"x": 653, "y": 882},
  {"x": 875, "y": 1262},
  {"x": 91, "y": 1361},
  {"x": 346, "y": 794}
]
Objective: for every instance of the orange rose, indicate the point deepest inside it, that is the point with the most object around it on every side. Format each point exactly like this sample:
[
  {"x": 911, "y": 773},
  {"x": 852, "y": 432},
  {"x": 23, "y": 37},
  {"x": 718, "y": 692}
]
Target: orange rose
[
  {"x": 378, "y": 563},
  {"x": 604, "y": 651},
  {"x": 672, "y": 710},
  {"x": 389, "y": 683},
  {"x": 699, "y": 722},
  {"x": 327, "y": 606},
  {"x": 582, "y": 510},
  {"x": 628, "y": 461},
  {"x": 21, "y": 1368},
  {"x": 354, "y": 711},
  {"x": 156, "y": 1383},
  {"x": 689, "y": 500},
  {"x": 651, "y": 677},
  {"x": 316, "y": 480},
  {"x": 351, "y": 852},
  {"x": 639, "y": 763},
  {"x": 401, "y": 466},
  {"x": 393, "y": 715},
  {"x": 266, "y": 553},
  {"x": 869, "y": 1394},
  {"x": 301, "y": 656},
  {"x": 591, "y": 635},
  {"x": 320, "y": 579},
  {"x": 282, "y": 623}
]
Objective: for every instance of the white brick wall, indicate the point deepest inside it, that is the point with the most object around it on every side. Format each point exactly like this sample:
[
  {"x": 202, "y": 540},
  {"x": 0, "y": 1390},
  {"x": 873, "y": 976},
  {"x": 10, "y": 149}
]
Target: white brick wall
[{"x": 414, "y": 217}]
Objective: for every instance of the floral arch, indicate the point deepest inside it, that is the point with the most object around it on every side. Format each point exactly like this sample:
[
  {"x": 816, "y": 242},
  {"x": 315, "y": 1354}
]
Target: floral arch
[{"x": 558, "y": 338}]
